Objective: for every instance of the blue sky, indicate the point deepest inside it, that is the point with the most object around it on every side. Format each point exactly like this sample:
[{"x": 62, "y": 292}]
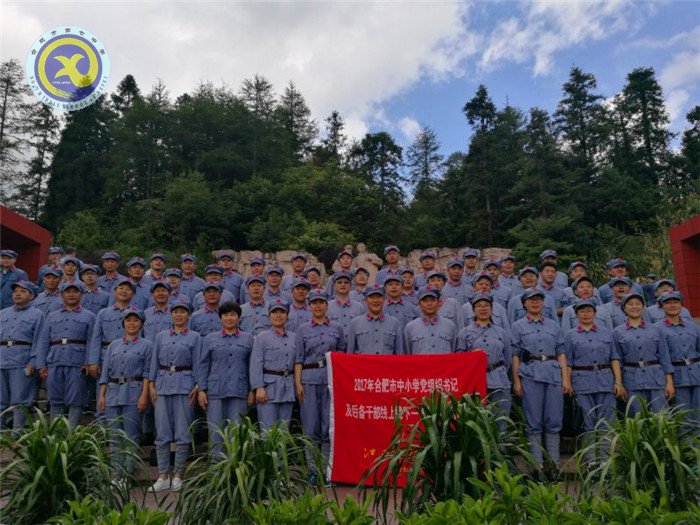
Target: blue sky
[{"x": 387, "y": 65}]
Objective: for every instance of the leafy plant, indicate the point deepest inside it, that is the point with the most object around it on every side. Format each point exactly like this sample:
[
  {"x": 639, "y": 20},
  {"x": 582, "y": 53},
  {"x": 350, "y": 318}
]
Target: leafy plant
[
  {"x": 51, "y": 464},
  {"x": 253, "y": 467},
  {"x": 90, "y": 511},
  {"x": 453, "y": 441},
  {"x": 351, "y": 512},
  {"x": 656, "y": 452},
  {"x": 308, "y": 509}
]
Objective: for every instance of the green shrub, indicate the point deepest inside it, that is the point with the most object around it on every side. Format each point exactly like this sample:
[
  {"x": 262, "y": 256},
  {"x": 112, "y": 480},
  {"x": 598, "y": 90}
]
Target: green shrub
[
  {"x": 89, "y": 512},
  {"x": 309, "y": 509},
  {"x": 51, "y": 464},
  {"x": 655, "y": 452},
  {"x": 252, "y": 467},
  {"x": 351, "y": 512},
  {"x": 454, "y": 441}
]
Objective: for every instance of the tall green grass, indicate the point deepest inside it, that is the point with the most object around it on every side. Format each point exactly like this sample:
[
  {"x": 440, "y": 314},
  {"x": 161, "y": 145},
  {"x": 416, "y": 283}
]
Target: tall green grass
[
  {"x": 654, "y": 452},
  {"x": 51, "y": 464},
  {"x": 454, "y": 441},
  {"x": 252, "y": 467}
]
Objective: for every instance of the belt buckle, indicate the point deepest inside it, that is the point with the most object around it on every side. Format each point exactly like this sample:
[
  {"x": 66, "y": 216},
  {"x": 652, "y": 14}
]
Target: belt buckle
[
  {"x": 321, "y": 364},
  {"x": 172, "y": 368},
  {"x": 286, "y": 373},
  {"x": 688, "y": 361},
  {"x": 10, "y": 343},
  {"x": 596, "y": 368},
  {"x": 122, "y": 380},
  {"x": 542, "y": 358},
  {"x": 642, "y": 364},
  {"x": 64, "y": 341}
]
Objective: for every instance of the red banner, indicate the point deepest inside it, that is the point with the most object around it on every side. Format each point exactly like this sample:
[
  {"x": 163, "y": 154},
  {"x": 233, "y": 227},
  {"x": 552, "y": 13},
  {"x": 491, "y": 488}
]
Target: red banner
[{"x": 364, "y": 393}]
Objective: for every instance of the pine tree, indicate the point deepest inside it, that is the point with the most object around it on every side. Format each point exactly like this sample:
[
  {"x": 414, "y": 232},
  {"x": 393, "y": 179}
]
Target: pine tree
[
  {"x": 690, "y": 144},
  {"x": 334, "y": 143},
  {"x": 14, "y": 112},
  {"x": 480, "y": 110},
  {"x": 127, "y": 93},
  {"x": 31, "y": 188},
  {"x": 295, "y": 117},
  {"x": 258, "y": 95},
  {"x": 579, "y": 117},
  {"x": 424, "y": 160}
]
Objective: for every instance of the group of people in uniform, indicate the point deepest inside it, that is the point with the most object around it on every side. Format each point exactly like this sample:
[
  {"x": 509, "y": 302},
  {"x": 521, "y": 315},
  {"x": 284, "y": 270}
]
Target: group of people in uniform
[{"x": 159, "y": 341}]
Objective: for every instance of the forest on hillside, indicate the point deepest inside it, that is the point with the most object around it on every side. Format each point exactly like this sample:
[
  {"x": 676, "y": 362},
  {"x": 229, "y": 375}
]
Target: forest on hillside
[{"x": 249, "y": 168}]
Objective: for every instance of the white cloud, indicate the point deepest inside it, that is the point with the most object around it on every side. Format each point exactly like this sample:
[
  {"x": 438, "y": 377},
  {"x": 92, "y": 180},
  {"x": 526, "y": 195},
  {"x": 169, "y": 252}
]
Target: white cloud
[
  {"x": 676, "y": 101},
  {"x": 346, "y": 56},
  {"x": 544, "y": 28},
  {"x": 410, "y": 128}
]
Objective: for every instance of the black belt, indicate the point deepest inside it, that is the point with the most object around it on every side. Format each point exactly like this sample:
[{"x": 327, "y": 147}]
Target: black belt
[
  {"x": 173, "y": 368},
  {"x": 283, "y": 373},
  {"x": 540, "y": 358},
  {"x": 686, "y": 362},
  {"x": 69, "y": 342},
  {"x": 641, "y": 364},
  {"x": 592, "y": 368},
  {"x": 10, "y": 342},
  {"x": 316, "y": 364},
  {"x": 494, "y": 366},
  {"x": 122, "y": 380}
]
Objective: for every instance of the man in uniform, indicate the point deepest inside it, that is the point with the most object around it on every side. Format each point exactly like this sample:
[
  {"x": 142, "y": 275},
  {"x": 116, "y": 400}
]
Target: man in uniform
[
  {"x": 71, "y": 266},
  {"x": 232, "y": 280},
  {"x": 135, "y": 270},
  {"x": 430, "y": 333},
  {"x": 345, "y": 261},
  {"x": 375, "y": 333},
  {"x": 455, "y": 288},
  {"x": 648, "y": 287},
  {"x": 500, "y": 294},
  {"x": 509, "y": 277},
  {"x": 616, "y": 268},
  {"x": 213, "y": 273},
  {"x": 173, "y": 276},
  {"x": 62, "y": 362},
  {"x": 656, "y": 312},
  {"x": 360, "y": 280},
  {"x": 254, "y": 315},
  {"x": 94, "y": 299},
  {"x": 620, "y": 286},
  {"x": 299, "y": 261},
  {"x": 342, "y": 309},
  {"x": 257, "y": 269},
  {"x": 449, "y": 308},
  {"x": 156, "y": 267},
  {"x": 550, "y": 256},
  {"x": 273, "y": 290},
  {"x": 22, "y": 332},
  {"x": 110, "y": 263},
  {"x": 483, "y": 284},
  {"x": 50, "y": 299},
  {"x": 206, "y": 320},
  {"x": 397, "y": 304},
  {"x": 427, "y": 262},
  {"x": 548, "y": 275},
  {"x": 299, "y": 312},
  {"x": 157, "y": 317},
  {"x": 55, "y": 254},
  {"x": 9, "y": 275},
  {"x": 191, "y": 283},
  {"x": 471, "y": 266},
  {"x": 409, "y": 292},
  {"x": 392, "y": 255}
]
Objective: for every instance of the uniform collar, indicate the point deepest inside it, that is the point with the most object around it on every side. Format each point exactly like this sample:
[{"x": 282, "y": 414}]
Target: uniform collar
[
  {"x": 209, "y": 310},
  {"x": 488, "y": 325},
  {"x": 127, "y": 340},
  {"x": 172, "y": 331},
  {"x": 326, "y": 321},
  {"x": 397, "y": 301},
  {"x": 370, "y": 317},
  {"x": 164, "y": 310},
  {"x": 64, "y": 308},
  {"x": 17, "y": 308},
  {"x": 580, "y": 328},
  {"x": 302, "y": 306},
  {"x": 50, "y": 294},
  {"x": 344, "y": 304},
  {"x": 258, "y": 304},
  {"x": 531, "y": 320},
  {"x": 278, "y": 293},
  {"x": 628, "y": 325},
  {"x": 115, "y": 307},
  {"x": 546, "y": 286},
  {"x": 236, "y": 333},
  {"x": 432, "y": 321},
  {"x": 190, "y": 278},
  {"x": 668, "y": 322},
  {"x": 279, "y": 333},
  {"x": 455, "y": 283},
  {"x": 114, "y": 278}
]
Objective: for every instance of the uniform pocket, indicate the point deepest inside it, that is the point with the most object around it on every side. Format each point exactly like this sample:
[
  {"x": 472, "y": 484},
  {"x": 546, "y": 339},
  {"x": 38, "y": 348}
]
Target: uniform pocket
[{"x": 271, "y": 390}]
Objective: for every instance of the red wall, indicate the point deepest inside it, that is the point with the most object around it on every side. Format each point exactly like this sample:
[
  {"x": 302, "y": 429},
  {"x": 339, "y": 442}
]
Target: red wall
[
  {"x": 685, "y": 249},
  {"x": 27, "y": 238}
]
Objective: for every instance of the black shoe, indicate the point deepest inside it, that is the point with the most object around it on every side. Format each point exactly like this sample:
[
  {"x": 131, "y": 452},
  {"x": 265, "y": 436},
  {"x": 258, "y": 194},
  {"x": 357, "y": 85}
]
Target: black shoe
[{"x": 153, "y": 458}]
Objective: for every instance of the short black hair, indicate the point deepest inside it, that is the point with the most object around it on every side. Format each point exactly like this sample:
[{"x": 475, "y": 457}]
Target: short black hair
[
  {"x": 228, "y": 307},
  {"x": 551, "y": 264}
]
